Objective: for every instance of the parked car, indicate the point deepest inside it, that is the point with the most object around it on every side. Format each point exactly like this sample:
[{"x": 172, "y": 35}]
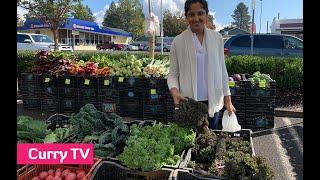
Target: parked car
[
  {"x": 157, "y": 47},
  {"x": 37, "y": 42},
  {"x": 264, "y": 44},
  {"x": 131, "y": 47},
  {"x": 140, "y": 46},
  {"x": 110, "y": 46}
]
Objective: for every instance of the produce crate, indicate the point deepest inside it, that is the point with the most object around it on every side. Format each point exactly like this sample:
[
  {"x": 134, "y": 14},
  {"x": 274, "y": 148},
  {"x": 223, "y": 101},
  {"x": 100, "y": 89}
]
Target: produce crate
[
  {"x": 237, "y": 88},
  {"x": 31, "y": 103},
  {"x": 155, "y": 83},
  {"x": 259, "y": 121},
  {"x": 87, "y": 90},
  {"x": 130, "y": 103},
  {"x": 27, "y": 172},
  {"x": 108, "y": 105},
  {"x": 106, "y": 82},
  {"x": 108, "y": 95},
  {"x": 47, "y": 80},
  {"x": 246, "y": 134},
  {"x": 67, "y": 86},
  {"x": 112, "y": 170},
  {"x": 260, "y": 104},
  {"x": 254, "y": 91},
  {"x": 129, "y": 82},
  {"x": 50, "y": 104},
  {"x": 188, "y": 174},
  {"x": 154, "y": 96},
  {"x": 156, "y": 112},
  {"x": 69, "y": 105}
]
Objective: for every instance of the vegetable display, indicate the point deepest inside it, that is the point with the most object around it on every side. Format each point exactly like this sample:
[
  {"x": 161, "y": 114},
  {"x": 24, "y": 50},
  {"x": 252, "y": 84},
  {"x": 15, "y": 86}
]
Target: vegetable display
[
  {"x": 220, "y": 155},
  {"x": 260, "y": 78},
  {"x": 151, "y": 147},
  {"x": 30, "y": 130},
  {"x": 106, "y": 131},
  {"x": 61, "y": 174},
  {"x": 192, "y": 114}
]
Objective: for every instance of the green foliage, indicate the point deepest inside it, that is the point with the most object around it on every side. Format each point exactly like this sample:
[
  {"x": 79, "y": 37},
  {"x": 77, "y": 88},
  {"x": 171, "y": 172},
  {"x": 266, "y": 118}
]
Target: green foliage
[
  {"x": 241, "y": 17},
  {"x": 79, "y": 11},
  {"x": 126, "y": 15},
  {"x": 30, "y": 130},
  {"x": 287, "y": 72},
  {"x": 151, "y": 147},
  {"x": 173, "y": 24},
  {"x": 192, "y": 114}
]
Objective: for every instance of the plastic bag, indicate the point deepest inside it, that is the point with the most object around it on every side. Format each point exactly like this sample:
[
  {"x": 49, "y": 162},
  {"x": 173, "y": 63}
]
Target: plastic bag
[
  {"x": 152, "y": 26},
  {"x": 230, "y": 123}
]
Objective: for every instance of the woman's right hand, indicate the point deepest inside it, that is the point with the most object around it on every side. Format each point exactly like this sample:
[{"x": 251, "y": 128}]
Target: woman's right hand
[{"x": 177, "y": 97}]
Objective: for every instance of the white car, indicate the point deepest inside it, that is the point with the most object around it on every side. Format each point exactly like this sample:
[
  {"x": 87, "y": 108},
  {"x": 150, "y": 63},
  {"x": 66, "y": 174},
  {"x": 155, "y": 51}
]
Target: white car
[
  {"x": 157, "y": 47},
  {"x": 131, "y": 47},
  {"x": 37, "y": 42}
]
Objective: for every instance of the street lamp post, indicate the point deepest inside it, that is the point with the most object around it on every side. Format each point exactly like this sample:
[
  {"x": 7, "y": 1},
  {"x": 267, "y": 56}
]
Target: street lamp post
[
  {"x": 161, "y": 30},
  {"x": 252, "y": 24},
  {"x": 260, "y": 15}
]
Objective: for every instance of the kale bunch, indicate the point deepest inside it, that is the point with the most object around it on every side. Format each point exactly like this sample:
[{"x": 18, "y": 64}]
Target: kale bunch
[
  {"x": 240, "y": 165},
  {"x": 192, "y": 114}
]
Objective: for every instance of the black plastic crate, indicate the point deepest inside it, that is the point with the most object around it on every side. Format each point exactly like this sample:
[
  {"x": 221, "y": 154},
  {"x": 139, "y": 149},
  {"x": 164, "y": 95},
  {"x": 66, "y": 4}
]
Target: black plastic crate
[
  {"x": 49, "y": 92},
  {"x": 155, "y": 83},
  {"x": 108, "y": 93},
  {"x": 187, "y": 174},
  {"x": 31, "y": 103},
  {"x": 30, "y": 78},
  {"x": 48, "y": 80},
  {"x": 69, "y": 105},
  {"x": 259, "y": 120},
  {"x": 156, "y": 112},
  {"x": 50, "y": 105},
  {"x": 114, "y": 171},
  {"x": 67, "y": 81},
  {"x": 129, "y": 82},
  {"x": 87, "y": 93},
  {"x": 107, "y": 106},
  {"x": 90, "y": 82},
  {"x": 30, "y": 90},
  {"x": 130, "y": 95},
  {"x": 106, "y": 82},
  {"x": 152, "y": 96},
  {"x": 130, "y": 109}
]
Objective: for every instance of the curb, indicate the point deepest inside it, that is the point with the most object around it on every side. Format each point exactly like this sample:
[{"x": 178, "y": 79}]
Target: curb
[{"x": 288, "y": 113}]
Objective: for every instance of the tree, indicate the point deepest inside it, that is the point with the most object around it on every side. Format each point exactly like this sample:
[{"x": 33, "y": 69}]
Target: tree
[
  {"x": 51, "y": 12},
  {"x": 126, "y": 15},
  {"x": 173, "y": 24},
  {"x": 82, "y": 12},
  {"x": 241, "y": 17},
  {"x": 210, "y": 23}
]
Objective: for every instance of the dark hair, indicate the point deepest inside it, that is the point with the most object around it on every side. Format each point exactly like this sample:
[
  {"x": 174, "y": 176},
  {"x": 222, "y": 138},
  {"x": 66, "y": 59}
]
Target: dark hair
[{"x": 188, "y": 3}]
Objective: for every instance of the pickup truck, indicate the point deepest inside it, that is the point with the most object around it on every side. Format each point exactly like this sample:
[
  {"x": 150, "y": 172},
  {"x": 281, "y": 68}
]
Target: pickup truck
[{"x": 110, "y": 46}]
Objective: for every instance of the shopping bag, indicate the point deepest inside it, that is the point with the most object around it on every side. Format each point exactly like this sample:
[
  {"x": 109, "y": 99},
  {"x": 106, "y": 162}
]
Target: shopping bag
[{"x": 230, "y": 123}]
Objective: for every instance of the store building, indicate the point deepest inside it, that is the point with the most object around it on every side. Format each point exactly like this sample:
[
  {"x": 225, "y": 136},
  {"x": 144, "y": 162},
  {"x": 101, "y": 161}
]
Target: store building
[
  {"x": 287, "y": 26},
  {"x": 82, "y": 35}
]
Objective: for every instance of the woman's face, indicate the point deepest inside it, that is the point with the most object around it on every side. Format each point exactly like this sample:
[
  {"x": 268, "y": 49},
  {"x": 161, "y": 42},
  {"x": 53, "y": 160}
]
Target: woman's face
[{"x": 197, "y": 17}]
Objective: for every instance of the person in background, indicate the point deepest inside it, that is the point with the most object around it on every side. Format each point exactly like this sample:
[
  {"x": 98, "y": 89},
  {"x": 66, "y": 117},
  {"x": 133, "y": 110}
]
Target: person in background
[{"x": 197, "y": 64}]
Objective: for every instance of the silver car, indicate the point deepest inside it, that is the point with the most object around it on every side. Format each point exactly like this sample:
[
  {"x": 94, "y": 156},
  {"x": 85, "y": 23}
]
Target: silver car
[{"x": 265, "y": 45}]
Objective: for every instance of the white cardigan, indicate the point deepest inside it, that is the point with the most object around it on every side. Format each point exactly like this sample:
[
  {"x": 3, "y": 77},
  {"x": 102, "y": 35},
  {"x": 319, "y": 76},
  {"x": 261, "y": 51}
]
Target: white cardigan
[{"x": 183, "y": 68}]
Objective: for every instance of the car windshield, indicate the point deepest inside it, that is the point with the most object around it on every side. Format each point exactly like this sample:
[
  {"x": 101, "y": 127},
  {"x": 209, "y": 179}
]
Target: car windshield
[{"x": 41, "y": 38}]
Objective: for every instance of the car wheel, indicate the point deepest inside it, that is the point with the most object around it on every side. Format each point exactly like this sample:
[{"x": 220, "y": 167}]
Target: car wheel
[
  {"x": 98, "y": 48},
  {"x": 165, "y": 49}
]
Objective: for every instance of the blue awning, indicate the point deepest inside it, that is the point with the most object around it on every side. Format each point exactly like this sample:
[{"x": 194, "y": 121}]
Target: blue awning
[{"x": 73, "y": 24}]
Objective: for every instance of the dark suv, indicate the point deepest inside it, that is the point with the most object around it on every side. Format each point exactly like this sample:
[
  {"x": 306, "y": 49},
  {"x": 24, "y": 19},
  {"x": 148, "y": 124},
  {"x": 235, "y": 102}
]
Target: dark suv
[
  {"x": 265, "y": 45},
  {"x": 109, "y": 45}
]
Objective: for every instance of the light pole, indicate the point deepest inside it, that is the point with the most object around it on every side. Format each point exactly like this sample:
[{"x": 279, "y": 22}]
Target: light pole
[
  {"x": 260, "y": 15},
  {"x": 252, "y": 23},
  {"x": 161, "y": 30}
]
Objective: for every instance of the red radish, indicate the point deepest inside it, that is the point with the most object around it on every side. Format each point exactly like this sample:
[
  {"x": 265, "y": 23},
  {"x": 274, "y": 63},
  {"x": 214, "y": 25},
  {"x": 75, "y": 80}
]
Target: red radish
[
  {"x": 80, "y": 170},
  {"x": 59, "y": 169},
  {"x": 71, "y": 176},
  {"x": 65, "y": 173},
  {"x": 36, "y": 178},
  {"x": 43, "y": 175},
  {"x": 81, "y": 175},
  {"x": 51, "y": 172},
  {"x": 50, "y": 177},
  {"x": 57, "y": 178},
  {"x": 58, "y": 173}
]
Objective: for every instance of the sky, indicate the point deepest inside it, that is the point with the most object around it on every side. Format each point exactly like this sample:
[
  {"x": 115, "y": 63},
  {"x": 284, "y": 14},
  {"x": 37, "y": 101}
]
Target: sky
[{"x": 220, "y": 9}]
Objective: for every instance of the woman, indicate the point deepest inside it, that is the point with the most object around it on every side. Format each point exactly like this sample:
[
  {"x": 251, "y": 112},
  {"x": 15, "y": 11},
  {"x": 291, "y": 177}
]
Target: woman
[{"x": 197, "y": 66}]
